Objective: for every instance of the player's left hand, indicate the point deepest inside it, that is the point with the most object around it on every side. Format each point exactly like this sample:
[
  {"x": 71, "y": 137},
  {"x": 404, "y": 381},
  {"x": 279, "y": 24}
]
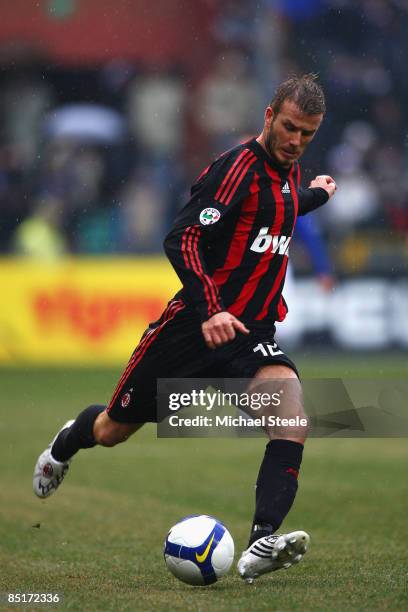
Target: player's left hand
[{"x": 326, "y": 182}]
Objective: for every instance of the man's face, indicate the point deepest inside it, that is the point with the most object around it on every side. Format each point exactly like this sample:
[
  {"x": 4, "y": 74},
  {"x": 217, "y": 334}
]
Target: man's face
[{"x": 289, "y": 132}]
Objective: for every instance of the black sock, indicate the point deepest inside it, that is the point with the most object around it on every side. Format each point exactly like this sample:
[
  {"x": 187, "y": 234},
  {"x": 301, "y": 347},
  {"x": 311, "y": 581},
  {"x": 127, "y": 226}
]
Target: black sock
[
  {"x": 276, "y": 486},
  {"x": 79, "y": 435}
]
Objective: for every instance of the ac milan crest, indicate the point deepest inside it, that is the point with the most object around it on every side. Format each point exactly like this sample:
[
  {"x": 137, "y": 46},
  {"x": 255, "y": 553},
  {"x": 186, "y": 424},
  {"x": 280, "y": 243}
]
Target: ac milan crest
[{"x": 125, "y": 400}]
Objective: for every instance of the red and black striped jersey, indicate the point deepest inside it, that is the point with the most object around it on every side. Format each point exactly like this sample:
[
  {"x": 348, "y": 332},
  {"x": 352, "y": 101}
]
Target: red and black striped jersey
[{"x": 230, "y": 243}]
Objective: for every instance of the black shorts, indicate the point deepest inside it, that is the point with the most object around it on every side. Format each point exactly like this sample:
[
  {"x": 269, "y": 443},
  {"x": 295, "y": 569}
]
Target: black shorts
[{"x": 174, "y": 347}]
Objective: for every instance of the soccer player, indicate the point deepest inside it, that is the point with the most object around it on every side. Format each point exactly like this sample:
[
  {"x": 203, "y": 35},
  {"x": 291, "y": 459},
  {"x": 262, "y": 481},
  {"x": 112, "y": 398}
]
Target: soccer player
[{"x": 229, "y": 246}]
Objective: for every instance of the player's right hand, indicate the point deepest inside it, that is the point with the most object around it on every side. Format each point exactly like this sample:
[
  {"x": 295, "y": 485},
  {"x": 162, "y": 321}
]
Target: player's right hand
[{"x": 221, "y": 328}]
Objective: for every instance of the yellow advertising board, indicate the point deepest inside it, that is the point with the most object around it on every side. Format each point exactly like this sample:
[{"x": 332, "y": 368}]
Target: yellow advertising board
[{"x": 79, "y": 311}]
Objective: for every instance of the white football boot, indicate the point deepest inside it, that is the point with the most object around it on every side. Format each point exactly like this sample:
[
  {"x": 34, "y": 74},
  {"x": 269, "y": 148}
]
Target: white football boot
[
  {"x": 48, "y": 472},
  {"x": 271, "y": 553}
]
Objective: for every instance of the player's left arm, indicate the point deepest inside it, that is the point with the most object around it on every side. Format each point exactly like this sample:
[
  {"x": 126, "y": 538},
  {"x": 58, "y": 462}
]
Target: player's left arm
[{"x": 320, "y": 190}]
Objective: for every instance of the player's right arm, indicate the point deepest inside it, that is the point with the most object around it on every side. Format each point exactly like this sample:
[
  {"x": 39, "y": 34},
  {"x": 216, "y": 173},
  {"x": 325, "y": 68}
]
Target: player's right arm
[
  {"x": 217, "y": 192},
  {"x": 222, "y": 328}
]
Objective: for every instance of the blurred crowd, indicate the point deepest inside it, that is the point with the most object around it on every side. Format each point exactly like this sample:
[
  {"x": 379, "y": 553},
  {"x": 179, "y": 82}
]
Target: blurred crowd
[{"x": 99, "y": 160}]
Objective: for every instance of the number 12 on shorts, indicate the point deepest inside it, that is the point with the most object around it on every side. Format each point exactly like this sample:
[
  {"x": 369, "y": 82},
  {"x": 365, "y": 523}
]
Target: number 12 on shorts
[{"x": 268, "y": 349}]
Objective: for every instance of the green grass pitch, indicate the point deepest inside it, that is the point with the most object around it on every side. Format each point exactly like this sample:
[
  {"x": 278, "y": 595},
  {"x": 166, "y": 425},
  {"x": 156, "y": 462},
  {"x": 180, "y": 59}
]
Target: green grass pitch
[{"x": 99, "y": 539}]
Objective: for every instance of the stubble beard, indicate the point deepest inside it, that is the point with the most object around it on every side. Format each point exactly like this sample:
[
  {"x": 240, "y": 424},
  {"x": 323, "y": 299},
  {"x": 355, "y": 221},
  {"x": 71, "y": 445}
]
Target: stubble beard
[{"x": 270, "y": 144}]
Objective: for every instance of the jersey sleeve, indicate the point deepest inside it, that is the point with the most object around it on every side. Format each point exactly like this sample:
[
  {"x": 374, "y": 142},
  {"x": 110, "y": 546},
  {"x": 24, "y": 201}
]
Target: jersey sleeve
[
  {"x": 311, "y": 198},
  {"x": 218, "y": 190}
]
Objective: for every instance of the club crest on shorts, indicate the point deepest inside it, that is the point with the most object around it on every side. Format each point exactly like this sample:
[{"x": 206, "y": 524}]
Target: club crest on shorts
[
  {"x": 125, "y": 401},
  {"x": 208, "y": 216}
]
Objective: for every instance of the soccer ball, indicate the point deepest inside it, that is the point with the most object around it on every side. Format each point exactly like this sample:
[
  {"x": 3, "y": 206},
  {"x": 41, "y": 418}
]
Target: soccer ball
[{"x": 199, "y": 550}]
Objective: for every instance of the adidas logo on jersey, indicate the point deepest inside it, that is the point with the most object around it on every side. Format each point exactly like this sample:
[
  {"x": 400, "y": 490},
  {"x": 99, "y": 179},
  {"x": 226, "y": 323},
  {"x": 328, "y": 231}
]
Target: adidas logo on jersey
[{"x": 285, "y": 188}]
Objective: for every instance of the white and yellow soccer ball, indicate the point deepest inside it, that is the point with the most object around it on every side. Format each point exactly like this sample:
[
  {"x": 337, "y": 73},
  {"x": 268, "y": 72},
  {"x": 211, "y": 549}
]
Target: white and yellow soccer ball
[{"x": 199, "y": 550}]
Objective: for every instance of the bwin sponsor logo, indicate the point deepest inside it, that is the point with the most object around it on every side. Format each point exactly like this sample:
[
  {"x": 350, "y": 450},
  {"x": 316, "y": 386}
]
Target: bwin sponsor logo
[{"x": 265, "y": 241}]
